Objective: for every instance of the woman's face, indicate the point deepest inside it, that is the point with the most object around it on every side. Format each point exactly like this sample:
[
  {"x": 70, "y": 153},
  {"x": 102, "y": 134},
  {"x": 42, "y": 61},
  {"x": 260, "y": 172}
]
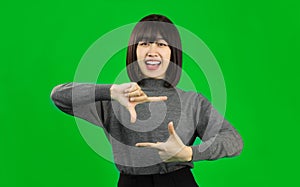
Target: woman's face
[{"x": 153, "y": 58}]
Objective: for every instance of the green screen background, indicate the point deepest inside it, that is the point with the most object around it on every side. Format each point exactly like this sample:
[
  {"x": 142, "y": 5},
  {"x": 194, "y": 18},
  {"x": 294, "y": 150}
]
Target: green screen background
[{"x": 256, "y": 44}]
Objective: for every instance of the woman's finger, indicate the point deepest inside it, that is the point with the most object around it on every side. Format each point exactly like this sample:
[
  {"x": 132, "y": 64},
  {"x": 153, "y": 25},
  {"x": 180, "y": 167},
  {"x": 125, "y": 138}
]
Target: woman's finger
[
  {"x": 171, "y": 128},
  {"x": 146, "y": 144},
  {"x": 141, "y": 99},
  {"x": 134, "y": 87},
  {"x": 132, "y": 114},
  {"x": 135, "y": 93},
  {"x": 157, "y": 99},
  {"x": 144, "y": 99},
  {"x": 157, "y": 146}
]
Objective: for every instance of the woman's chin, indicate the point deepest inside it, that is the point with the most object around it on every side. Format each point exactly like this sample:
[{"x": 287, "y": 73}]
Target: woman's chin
[{"x": 154, "y": 76}]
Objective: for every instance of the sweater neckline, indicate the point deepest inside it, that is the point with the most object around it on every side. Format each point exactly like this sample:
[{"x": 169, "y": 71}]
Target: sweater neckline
[{"x": 155, "y": 84}]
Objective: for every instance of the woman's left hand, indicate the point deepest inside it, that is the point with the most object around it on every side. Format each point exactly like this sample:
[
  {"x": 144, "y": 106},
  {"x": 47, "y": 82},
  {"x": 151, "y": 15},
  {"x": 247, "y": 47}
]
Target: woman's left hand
[{"x": 173, "y": 150}]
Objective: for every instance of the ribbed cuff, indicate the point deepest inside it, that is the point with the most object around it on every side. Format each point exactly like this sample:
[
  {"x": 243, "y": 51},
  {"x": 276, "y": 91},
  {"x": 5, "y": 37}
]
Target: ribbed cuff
[
  {"x": 200, "y": 153},
  {"x": 102, "y": 92}
]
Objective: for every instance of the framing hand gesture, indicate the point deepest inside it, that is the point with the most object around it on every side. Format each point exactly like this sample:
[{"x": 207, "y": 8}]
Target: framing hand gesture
[
  {"x": 173, "y": 150},
  {"x": 130, "y": 95}
]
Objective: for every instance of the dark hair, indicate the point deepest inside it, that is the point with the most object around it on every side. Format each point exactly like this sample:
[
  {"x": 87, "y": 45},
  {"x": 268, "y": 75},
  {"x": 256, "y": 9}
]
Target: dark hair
[{"x": 149, "y": 28}]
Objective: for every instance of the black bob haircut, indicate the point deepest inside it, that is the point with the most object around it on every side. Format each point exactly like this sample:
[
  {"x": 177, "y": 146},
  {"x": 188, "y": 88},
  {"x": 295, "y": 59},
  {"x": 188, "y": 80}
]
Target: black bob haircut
[{"x": 149, "y": 28}]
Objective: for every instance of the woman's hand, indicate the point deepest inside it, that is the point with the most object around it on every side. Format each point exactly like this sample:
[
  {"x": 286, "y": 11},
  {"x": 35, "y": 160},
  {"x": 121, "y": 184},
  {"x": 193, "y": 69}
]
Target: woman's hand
[
  {"x": 129, "y": 95},
  {"x": 173, "y": 150}
]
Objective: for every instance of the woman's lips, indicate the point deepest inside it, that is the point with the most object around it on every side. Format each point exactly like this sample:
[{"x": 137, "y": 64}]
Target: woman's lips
[{"x": 152, "y": 64}]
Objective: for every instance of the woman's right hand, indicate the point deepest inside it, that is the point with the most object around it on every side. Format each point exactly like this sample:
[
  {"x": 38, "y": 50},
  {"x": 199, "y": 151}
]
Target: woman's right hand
[{"x": 129, "y": 95}]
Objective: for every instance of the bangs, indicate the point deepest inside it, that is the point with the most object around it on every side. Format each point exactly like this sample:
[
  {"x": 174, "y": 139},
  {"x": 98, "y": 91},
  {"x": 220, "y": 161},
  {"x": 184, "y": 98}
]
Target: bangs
[{"x": 150, "y": 31}]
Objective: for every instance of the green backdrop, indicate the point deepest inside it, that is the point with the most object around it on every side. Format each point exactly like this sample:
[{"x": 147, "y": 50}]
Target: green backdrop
[{"x": 255, "y": 42}]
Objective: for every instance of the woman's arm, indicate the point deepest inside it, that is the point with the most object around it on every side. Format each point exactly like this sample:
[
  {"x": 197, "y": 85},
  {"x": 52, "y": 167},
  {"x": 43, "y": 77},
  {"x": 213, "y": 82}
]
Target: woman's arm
[
  {"x": 69, "y": 95},
  {"x": 219, "y": 138},
  {"x": 81, "y": 100},
  {"x": 85, "y": 100}
]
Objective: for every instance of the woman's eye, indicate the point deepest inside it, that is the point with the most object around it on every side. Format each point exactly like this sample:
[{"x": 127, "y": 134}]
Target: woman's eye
[
  {"x": 146, "y": 44},
  {"x": 160, "y": 44},
  {"x": 143, "y": 43}
]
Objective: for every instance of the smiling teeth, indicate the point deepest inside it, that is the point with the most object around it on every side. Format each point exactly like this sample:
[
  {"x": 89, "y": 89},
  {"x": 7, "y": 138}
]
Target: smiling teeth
[{"x": 152, "y": 62}]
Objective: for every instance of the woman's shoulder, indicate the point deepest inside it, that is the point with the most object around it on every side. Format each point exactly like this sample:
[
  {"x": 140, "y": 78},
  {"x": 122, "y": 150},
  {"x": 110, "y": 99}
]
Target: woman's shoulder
[{"x": 190, "y": 95}]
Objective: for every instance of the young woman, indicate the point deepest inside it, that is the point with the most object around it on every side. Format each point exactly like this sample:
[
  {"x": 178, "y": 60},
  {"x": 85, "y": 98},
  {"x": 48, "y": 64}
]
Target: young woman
[{"x": 150, "y": 123}]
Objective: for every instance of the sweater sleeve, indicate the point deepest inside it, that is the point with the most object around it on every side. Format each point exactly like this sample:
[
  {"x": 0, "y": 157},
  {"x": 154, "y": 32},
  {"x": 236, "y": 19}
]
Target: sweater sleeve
[
  {"x": 219, "y": 138},
  {"x": 82, "y": 100}
]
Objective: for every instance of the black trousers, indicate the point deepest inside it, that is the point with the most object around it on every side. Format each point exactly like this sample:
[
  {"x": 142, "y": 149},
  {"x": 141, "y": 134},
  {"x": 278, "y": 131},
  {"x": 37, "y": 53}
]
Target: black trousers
[{"x": 179, "y": 178}]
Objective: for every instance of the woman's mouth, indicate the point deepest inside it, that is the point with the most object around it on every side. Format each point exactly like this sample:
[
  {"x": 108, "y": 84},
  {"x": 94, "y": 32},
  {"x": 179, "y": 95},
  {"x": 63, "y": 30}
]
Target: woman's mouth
[{"x": 152, "y": 64}]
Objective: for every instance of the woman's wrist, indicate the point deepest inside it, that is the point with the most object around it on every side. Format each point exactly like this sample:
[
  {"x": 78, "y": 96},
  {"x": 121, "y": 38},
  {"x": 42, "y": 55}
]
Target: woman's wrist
[
  {"x": 112, "y": 91},
  {"x": 189, "y": 153}
]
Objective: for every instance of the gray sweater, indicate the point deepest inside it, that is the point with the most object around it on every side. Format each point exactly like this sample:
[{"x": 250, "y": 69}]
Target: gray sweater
[{"x": 192, "y": 114}]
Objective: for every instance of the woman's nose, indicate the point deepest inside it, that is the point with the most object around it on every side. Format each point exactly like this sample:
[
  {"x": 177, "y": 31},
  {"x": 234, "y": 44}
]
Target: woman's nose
[{"x": 152, "y": 49}]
